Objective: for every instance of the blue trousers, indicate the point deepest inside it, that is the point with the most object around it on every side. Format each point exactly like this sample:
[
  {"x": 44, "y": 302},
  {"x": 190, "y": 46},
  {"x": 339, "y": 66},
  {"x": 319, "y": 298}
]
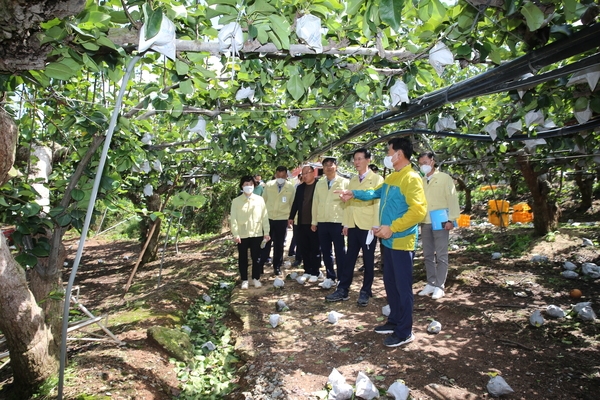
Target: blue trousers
[
  {"x": 356, "y": 241},
  {"x": 331, "y": 233},
  {"x": 398, "y": 280}
]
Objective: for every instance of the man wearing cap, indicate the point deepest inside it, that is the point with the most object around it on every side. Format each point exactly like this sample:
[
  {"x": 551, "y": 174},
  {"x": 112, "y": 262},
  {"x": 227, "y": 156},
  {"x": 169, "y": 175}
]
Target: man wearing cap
[
  {"x": 308, "y": 240},
  {"x": 441, "y": 195},
  {"x": 360, "y": 218},
  {"x": 327, "y": 214},
  {"x": 278, "y": 196}
]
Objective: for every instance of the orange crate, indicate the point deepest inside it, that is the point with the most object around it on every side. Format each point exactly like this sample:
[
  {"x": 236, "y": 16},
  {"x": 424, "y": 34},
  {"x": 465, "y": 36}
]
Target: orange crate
[
  {"x": 464, "y": 221},
  {"x": 521, "y": 207},
  {"x": 522, "y": 216}
]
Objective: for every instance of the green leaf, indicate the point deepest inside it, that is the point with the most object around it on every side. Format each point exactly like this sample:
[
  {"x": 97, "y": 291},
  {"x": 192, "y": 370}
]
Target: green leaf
[
  {"x": 186, "y": 87},
  {"x": 41, "y": 249},
  {"x": 63, "y": 220},
  {"x": 281, "y": 27},
  {"x": 570, "y": 7},
  {"x": 59, "y": 70},
  {"x": 26, "y": 259},
  {"x": 3, "y": 202},
  {"x": 390, "y": 12},
  {"x": 581, "y": 104},
  {"x": 352, "y": 6},
  {"x": 295, "y": 88},
  {"x": 31, "y": 209},
  {"x": 106, "y": 42},
  {"x": 77, "y": 194},
  {"x": 463, "y": 50},
  {"x": 533, "y": 16},
  {"x": 262, "y": 6},
  {"x": 153, "y": 24},
  {"x": 181, "y": 67},
  {"x": 90, "y": 63}
]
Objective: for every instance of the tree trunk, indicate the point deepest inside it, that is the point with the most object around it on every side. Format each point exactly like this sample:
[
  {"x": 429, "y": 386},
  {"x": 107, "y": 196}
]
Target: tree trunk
[
  {"x": 33, "y": 351},
  {"x": 8, "y": 145},
  {"x": 152, "y": 204},
  {"x": 43, "y": 283},
  {"x": 585, "y": 183},
  {"x": 461, "y": 185},
  {"x": 514, "y": 186},
  {"x": 545, "y": 211},
  {"x": 20, "y": 47}
]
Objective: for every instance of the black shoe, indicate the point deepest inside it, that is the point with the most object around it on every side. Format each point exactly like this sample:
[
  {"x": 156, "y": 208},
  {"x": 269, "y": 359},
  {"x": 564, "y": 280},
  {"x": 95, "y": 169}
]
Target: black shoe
[
  {"x": 361, "y": 269},
  {"x": 269, "y": 260},
  {"x": 291, "y": 254},
  {"x": 363, "y": 299},
  {"x": 338, "y": 295},
  {"x": 395, "y": 341},
  {"x": 296, "y": 263},
  {"x": 385, "y": 329},
  {"x": 277, "y": 272}
]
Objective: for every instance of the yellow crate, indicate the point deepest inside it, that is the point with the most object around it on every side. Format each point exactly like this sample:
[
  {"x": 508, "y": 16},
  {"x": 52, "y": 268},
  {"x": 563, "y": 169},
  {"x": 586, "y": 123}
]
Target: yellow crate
[
  {"x": 495, "y": 219},
  {"x": 498, "y": 205}
]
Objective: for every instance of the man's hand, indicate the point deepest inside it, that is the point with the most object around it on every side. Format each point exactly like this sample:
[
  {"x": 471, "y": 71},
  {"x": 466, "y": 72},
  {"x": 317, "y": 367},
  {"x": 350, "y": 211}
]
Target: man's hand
[
  {"x": 345, "y": 194},
  {"x": 313, "y": 228},
  {"x": 237, "y": 240},
  {"x": 384, "y": 232},
  {"x": 290, "y": 223},
  {"x": 267, "y": 238},
  {"x": 345, "y": 231},
  {"x": 448, "y": 225}
]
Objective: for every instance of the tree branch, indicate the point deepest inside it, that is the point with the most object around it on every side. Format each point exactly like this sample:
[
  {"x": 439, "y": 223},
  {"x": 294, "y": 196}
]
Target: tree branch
[{"x": 124, "y": 37}]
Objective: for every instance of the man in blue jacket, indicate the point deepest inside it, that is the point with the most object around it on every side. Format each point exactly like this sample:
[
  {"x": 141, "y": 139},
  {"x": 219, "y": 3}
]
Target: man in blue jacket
[{"x": 402, "y": 207}]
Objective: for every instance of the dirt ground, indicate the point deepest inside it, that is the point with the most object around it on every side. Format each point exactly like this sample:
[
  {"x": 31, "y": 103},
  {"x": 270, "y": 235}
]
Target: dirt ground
[{"x": 484, "y": 317}]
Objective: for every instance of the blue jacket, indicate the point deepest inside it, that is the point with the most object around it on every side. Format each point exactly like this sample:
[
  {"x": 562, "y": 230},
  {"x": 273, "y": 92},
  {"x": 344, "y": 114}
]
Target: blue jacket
[{"x": 402, "y": 207}]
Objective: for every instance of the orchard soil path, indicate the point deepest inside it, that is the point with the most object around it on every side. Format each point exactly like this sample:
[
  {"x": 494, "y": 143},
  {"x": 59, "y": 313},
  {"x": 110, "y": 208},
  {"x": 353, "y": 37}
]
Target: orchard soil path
[{"x": 485, "y": 326}]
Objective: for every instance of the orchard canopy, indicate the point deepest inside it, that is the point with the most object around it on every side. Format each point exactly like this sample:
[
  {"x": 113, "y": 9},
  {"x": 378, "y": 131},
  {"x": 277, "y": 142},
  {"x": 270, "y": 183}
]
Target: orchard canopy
[{"x": 230, "y": 86}]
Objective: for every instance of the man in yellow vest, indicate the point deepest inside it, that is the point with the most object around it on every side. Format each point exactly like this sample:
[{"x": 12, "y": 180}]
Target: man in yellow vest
[
  {"x": 441, "y": 195},
  {"x": 327, "y": 214},
  {"x": 279, "y": 196},
  {"x": 360, "y": 218}
]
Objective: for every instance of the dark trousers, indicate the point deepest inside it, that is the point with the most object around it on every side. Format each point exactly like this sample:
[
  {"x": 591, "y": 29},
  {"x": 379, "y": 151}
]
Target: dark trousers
[
  {"x": 253, "y": 244},
  {"x": 356, "y": 241},
  {"x": 278, "y": 231},
  {"x": 294, "y": 248},
  {"x": 398, "y": 280},
  {"x": 331, "y": 233},
  {"x": 308, "y": 241}
]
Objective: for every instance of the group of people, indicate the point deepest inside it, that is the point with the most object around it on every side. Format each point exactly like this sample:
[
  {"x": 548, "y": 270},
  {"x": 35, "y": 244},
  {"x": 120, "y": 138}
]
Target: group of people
[{"x": 365, "y": 208}]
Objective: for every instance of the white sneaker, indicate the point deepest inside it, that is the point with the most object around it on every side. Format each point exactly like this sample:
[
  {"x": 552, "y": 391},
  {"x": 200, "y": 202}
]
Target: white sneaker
[
  {"x": 438, "y": 293},
  {"x": 256, "y": 283},
  {"x": 313, "y": 278},
  {"x": 427, "y": 290},
  {"x": 245, "y": 285}
]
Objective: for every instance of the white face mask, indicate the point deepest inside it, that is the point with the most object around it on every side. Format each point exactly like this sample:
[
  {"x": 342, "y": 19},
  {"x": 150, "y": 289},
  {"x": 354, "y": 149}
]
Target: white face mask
[
  {"x": 387, "y": 161},
  {"x": 248, "y": 189},
  {"x": 425, "y": 169},
  {"x": 280, "y": 181}
]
